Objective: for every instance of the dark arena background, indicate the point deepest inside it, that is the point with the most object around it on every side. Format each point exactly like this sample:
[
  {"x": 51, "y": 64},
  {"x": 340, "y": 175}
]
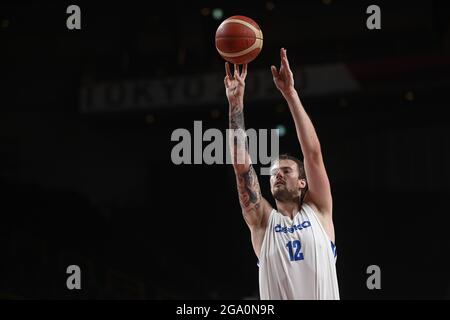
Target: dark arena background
[{"x": 87, "y": 116}]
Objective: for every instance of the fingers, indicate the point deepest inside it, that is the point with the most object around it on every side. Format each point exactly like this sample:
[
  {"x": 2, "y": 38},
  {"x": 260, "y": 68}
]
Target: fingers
[
  {"x": 285, "y": 63},
  {"x": 244, "y": 71},
  {"x": 283, "y": 53},
  {"x": 228, "y": 71},
  {"x": 274, "y": 71},
  {"x": 236, "y": 69},
  {"x": 240, "y": 77},
  {"x": 284, "y": 59}
]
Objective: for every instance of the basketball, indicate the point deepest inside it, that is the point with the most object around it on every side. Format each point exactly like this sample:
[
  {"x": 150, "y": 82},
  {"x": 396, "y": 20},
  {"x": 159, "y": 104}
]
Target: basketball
[{"x": 239, "y": 39}]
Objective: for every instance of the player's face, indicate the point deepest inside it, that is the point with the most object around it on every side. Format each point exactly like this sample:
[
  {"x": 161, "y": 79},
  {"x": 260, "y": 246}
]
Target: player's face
[{"x": 284, "y": 181}]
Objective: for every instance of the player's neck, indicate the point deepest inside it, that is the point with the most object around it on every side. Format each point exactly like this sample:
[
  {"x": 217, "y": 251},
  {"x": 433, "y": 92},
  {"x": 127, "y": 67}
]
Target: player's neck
[{"x": 288, "y": 208}]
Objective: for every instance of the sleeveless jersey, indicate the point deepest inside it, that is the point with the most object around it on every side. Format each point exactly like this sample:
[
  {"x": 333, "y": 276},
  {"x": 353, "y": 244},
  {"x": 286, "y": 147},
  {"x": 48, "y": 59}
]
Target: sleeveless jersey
[{"x": 297, "y": 259}]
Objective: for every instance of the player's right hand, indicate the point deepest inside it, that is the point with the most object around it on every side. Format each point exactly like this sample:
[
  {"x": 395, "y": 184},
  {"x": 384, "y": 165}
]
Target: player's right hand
[{"x": 235, "y": 84}]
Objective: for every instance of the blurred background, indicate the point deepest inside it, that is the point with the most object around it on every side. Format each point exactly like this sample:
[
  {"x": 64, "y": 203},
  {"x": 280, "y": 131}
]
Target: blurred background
[{"x": 85, "y": 134}]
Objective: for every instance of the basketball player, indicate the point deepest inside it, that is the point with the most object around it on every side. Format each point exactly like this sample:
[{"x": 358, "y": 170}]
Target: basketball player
[{"x": 294, "y": 242}]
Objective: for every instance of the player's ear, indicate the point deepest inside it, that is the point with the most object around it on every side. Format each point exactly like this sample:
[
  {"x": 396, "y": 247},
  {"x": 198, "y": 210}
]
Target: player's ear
[{"x": 301, "y": 183}]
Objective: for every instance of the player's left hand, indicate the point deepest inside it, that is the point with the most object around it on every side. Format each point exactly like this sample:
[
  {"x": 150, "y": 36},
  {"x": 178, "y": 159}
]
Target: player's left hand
[{"x": 283, "y": 78}]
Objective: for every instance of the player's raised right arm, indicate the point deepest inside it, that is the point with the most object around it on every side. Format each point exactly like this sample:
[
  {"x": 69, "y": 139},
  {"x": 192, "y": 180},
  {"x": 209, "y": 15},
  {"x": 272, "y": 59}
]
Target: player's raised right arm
[{"x": 254, "y": 206}]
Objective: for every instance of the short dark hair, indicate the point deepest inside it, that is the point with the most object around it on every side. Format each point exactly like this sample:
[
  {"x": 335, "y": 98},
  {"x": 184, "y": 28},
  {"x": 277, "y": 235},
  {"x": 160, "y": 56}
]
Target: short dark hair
[{"x": 301, "y": 168}]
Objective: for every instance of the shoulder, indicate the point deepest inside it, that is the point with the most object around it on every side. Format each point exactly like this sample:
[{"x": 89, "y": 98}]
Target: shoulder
[
  {"x": 325, "y": 219},
  {"x": 316, "y": 210}
]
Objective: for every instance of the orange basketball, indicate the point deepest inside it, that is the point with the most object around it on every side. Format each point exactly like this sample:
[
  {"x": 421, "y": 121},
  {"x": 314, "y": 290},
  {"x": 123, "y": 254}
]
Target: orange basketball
[{"x": 239, "y": 39}]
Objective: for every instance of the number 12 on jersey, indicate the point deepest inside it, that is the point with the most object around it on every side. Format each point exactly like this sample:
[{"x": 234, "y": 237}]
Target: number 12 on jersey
[{"x": 294, "y": 248}]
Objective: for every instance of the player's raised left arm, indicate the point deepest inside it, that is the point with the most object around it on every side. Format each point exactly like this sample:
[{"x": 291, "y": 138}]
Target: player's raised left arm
[{"x": 319, "y": 191}]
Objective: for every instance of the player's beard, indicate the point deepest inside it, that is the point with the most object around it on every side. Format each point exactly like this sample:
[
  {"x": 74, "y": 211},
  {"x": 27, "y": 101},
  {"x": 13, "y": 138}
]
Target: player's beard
[{"x": 283, "y": 194}]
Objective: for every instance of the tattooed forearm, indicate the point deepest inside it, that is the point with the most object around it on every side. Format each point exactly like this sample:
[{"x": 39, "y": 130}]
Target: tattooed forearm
[
  {"x": 249, "y": 190},
  {"x": 237, "y": 118},
  {"x": 251, "y": 185},
  {"x": 238, "y": 136}
]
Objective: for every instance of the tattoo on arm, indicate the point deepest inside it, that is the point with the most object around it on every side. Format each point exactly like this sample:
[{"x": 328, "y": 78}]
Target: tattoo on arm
[
  {"x": 247, "y": 180},
  {"x": 249, "y": 190},
  {"x": 239, "y": 137},
  {"x": 237, "y": 118}
]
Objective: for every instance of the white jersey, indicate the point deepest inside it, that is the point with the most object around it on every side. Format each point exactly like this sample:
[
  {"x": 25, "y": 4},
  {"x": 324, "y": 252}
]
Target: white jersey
[{"x": 297, "y": 259}]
